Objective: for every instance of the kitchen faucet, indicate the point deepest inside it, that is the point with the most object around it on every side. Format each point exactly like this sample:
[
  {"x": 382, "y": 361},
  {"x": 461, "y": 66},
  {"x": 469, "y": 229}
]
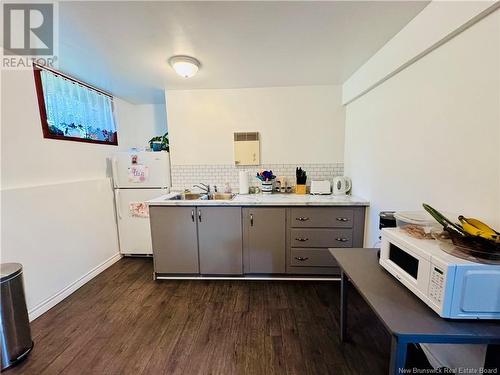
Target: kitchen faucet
[{"x": 203, "y": 187}]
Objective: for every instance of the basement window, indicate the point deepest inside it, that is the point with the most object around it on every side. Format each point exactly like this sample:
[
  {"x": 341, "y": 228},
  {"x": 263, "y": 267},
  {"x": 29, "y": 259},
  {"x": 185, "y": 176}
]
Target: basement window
[{"x": 73, "y": 110}]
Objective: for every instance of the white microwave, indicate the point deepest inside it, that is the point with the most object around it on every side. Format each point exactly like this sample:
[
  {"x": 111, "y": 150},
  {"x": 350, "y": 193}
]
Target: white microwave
[{"x": 455, "y": 288}]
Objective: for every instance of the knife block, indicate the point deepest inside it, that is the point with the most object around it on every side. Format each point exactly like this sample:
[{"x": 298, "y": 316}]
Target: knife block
[{"x": 300, "y": 189}]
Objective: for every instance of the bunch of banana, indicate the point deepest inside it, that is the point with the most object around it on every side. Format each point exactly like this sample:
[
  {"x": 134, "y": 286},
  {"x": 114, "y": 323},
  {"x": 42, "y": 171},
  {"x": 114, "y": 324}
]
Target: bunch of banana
[{"x": 477, "y": 228}]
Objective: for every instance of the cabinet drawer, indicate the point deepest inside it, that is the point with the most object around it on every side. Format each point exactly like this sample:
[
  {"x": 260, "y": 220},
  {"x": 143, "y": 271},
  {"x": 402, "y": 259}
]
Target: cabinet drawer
[
  {"x": 321, "y": 217},
  {"x": 312, "y": 258},
  {"x": 321, "y": 237}
]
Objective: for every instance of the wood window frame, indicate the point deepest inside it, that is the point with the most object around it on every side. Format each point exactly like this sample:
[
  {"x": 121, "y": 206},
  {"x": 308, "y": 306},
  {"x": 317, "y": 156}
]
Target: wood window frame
[{"x": 37, "y": 71}]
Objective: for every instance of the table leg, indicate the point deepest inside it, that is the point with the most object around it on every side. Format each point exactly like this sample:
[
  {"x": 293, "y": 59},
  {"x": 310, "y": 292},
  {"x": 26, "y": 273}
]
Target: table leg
[
  {"x": 398, "y": 356},
  {"x": 344, "y": 284},
  {"x": 492, "y": 359}
]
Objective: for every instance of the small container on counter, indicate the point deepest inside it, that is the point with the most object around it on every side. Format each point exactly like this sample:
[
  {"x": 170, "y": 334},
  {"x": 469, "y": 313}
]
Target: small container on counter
[
  {"x": 266, "y": 181},
  {"x": 282, "y": 184},
  {"x": 277, "y": 185},
  {"x": 254, "y": 190},
  {"x": 267, "y": 187}
]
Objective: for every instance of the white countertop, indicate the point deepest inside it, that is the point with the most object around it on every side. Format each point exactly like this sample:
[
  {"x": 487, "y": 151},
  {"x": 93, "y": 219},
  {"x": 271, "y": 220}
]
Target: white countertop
[{"x": 265, "y": 200}]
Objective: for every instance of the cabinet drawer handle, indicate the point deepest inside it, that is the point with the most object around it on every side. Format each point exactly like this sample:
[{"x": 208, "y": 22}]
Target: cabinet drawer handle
[
  {"x": 342, "y": 219},
  {"x": 251, "y": 220},
  {"x": 199, "y": 216},
  {"x": 301, "y": 218},
  {"x": 301, "y": 258},
  {"x": 302, "y": 239},
  {"x": 340, "y": 239},
  {"x": 192, "y": 215}
]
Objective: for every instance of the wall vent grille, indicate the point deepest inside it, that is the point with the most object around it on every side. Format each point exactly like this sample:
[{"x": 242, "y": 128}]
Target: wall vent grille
[{"x": 246, "y": 136}]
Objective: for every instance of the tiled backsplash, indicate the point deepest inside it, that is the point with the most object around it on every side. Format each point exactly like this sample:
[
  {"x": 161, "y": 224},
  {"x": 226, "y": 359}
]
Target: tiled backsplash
[{"x": 185, "y": 176}]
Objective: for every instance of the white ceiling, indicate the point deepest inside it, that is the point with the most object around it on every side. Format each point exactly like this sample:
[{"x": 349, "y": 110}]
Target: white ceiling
[{"x": 123, "y": 47}]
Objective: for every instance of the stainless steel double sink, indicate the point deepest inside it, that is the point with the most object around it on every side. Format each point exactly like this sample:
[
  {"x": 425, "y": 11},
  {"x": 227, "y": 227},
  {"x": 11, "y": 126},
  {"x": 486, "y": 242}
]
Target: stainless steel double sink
[{"x": 197, "y": 196}]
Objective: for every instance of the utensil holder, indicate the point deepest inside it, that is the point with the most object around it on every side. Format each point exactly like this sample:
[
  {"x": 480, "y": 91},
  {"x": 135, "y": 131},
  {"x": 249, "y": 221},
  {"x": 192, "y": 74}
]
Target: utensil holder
[
  {"x": 300, "y": 189},
  {"x": 267, "y": 187}
]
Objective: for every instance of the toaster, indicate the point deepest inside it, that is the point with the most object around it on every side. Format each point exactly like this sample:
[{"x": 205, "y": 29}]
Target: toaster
[{"x": 321, "y": 187}]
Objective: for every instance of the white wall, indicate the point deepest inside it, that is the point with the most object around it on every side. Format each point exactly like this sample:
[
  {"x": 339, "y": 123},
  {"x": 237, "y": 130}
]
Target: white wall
[
  {"x": 63, "y": 234},
  {"x": 139, "y": 123},
  {"x": 431, "y": 133},
  {"x": 57, "y": 201},
  {"x": 438, "y": 22},
  {"x": 297, "y": 124}
]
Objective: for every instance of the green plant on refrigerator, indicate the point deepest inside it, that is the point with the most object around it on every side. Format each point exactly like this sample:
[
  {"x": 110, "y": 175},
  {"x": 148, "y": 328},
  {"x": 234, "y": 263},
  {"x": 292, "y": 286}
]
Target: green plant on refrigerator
[{"x": 164, "y": 142}]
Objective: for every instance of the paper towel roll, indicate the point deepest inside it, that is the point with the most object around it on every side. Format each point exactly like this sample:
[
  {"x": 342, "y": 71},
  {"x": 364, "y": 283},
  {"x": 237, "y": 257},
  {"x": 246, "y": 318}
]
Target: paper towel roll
[{"x": 244, "y": 189}]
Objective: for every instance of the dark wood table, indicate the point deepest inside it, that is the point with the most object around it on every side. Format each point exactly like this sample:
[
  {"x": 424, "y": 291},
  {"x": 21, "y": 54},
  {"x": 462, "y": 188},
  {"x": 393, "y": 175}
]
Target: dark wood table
[{"x": 407, "y": 318}]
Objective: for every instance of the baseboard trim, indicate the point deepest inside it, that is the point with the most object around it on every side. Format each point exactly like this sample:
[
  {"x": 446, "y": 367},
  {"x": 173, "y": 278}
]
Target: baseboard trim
[
  {"x": 50, "y": 302},
  {"x": 249, "y": 278}
]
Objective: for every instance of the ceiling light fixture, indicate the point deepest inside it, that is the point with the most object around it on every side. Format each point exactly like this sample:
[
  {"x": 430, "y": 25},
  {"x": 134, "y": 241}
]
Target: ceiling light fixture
[{"x": 185, "y": 66}]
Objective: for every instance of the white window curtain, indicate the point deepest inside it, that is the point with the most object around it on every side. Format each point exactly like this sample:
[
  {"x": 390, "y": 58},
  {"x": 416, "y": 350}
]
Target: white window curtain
[{"x": 75, "y": 110}]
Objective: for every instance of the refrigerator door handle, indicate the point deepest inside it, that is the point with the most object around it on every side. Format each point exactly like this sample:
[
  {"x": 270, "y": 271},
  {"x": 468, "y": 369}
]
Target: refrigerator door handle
[
  {"x": 118, "y": 204},
  {"x": 114, "y": 170}
]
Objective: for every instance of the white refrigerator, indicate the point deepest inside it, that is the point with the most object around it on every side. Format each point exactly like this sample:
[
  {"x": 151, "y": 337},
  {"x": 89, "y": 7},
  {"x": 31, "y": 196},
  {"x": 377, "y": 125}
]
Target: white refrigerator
[{"x": 137, "y": 178}]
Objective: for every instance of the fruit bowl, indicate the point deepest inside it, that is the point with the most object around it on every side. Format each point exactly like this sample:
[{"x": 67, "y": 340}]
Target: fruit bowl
[
  {"x": 474, "y": 251},
  {"x": 474, "y": 242},
  {"x": 469, "y": 232}
]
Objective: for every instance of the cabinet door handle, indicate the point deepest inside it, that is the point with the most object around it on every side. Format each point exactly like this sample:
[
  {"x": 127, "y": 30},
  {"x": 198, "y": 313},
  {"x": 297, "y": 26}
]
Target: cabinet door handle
[
  {"x": 301, "y": 258},
  {"x": 251, "y": 220},
  {"x": 301, "y": 218},
  {"x": 199, "y": 216},
  {"x": 192, "y": 215},
  {"x": 342, "y": 219},
  {"x": 341, "y": 239},
  {"x": 302, "y": 239}
]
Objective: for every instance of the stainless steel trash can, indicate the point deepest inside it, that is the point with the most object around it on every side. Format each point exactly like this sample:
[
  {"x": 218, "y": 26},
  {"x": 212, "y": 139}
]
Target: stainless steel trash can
[{"x": 15, "y": 338}]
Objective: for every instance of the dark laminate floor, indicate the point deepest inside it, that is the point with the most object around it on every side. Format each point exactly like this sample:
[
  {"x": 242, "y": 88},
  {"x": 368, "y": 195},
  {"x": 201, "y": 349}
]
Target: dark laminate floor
[{"x": 122, "y": 322}]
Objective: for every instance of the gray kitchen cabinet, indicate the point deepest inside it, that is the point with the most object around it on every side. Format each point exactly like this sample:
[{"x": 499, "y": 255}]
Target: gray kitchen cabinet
[
  {"x": 264, "y": 240},
  {"x": 234, "y": 240},
  {"x": 312, "y": 230},
  {"x": 220, "y": 240},
  {"x": 175, "y": 244}
]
